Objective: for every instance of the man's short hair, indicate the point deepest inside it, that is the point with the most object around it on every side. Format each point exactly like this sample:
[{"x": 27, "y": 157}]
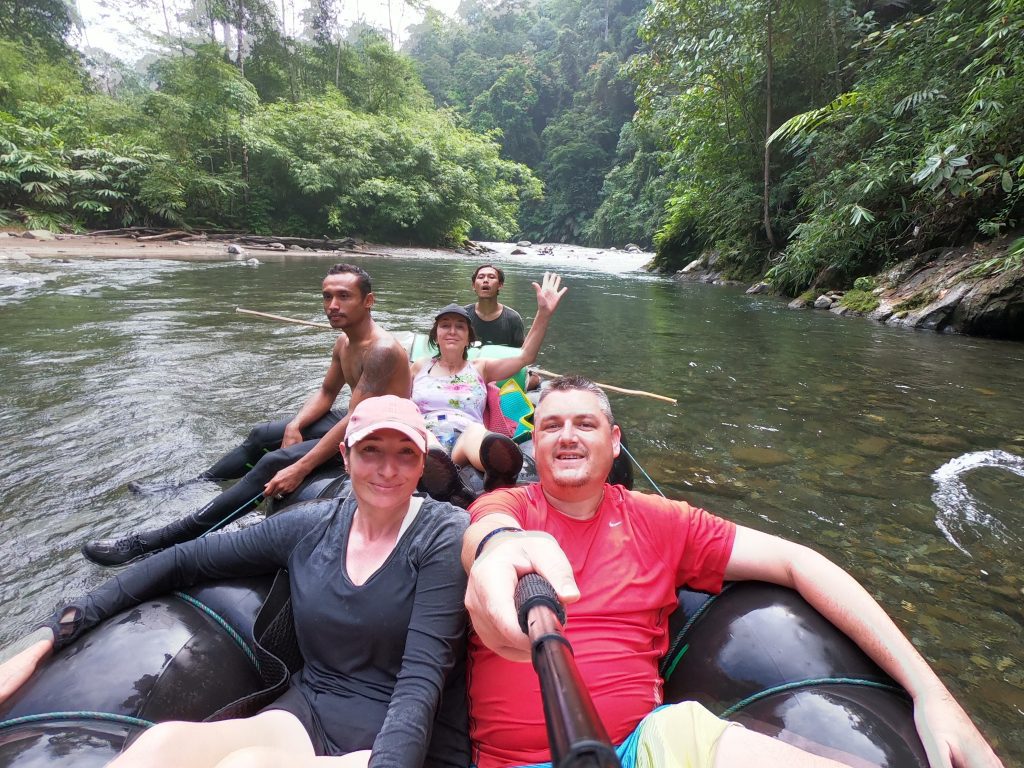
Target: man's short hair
[
  {"x": 501, "y": 273},
  {"x": 351, "y": 269},
  {"x": 578, "y": 383}
]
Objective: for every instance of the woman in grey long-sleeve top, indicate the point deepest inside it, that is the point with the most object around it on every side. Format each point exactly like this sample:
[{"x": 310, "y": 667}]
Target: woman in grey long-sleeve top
[{"x": 377, "y": 590}]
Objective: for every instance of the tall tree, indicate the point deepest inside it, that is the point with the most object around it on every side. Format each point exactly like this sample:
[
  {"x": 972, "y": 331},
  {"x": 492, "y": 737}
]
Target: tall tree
[
  {"x": 768, "y": 127},
  {"x": 45, "y": 23},
  {"x": 717, "y": 77}
]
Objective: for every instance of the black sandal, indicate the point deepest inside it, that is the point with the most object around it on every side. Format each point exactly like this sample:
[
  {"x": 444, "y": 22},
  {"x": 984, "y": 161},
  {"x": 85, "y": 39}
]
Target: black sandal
[
  {"x": 441, "y": 479},
  {"x": 502, "y": 461}
]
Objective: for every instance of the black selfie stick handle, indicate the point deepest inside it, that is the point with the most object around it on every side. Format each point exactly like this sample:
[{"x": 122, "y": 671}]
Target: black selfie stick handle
[{"x": 577, "y": 737}]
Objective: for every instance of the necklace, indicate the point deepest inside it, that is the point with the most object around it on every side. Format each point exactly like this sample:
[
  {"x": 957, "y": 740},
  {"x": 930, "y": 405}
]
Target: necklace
[{"x": 447, "y": 369}]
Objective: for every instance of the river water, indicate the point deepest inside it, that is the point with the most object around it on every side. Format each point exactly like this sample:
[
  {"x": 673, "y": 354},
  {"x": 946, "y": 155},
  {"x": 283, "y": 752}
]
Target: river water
[{"x": 896, "y": 453}]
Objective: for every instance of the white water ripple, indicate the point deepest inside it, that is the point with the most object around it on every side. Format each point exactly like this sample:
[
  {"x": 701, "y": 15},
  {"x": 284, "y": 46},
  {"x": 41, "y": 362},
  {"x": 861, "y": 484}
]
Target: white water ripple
[{"x": 958, "y": 509}]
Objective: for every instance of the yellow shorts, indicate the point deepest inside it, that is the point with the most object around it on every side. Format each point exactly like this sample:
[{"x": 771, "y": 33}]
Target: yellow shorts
[{"x": 682, "y": 735}]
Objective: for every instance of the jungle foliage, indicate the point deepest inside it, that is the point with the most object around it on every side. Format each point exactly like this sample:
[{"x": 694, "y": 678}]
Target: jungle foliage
[
  {"x": 814, "y": 141},
  {"x": 547, "y": 78},
  {"x": 328, "y": 135},
  {"x": 820, "y": 140}
]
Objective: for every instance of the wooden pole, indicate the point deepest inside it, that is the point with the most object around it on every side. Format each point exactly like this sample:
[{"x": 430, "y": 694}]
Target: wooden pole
[
  {"x": 540, "y": 371},
  {"x": 620, "y": 390},
  {"x": 283, "y": 319}
]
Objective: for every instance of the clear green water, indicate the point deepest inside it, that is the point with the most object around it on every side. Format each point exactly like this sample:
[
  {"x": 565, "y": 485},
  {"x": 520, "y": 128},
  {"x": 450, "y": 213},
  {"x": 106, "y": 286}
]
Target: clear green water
[{"x": 823, "y": 429}]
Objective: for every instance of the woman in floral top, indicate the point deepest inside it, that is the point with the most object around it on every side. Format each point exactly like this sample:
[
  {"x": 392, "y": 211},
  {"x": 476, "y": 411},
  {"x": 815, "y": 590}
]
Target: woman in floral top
[{"x": 451, "y": 392}]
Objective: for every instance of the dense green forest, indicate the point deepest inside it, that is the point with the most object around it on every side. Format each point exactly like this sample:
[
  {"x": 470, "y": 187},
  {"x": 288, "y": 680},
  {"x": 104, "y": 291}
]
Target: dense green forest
[
  {"x": 325, "y": 135},
  {"x": 802, "y": 138},
  {"x": 827, "y": 139},
  {"x": 809, "y": 140},
  {"x": 550, "y": 79}
]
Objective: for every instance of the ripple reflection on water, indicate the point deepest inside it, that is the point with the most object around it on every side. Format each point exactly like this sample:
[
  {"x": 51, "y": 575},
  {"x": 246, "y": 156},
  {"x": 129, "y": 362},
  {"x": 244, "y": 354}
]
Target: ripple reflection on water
[{"x": 960, "y": 513}]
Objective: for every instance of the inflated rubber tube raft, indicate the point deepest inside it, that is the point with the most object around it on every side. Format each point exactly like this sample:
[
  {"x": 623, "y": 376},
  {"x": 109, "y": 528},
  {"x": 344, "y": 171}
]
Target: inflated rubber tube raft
[
  {"x": 757, "y": 654},
  {"x": 760, "y": 655},
  {"x": 191, "y": 655}
]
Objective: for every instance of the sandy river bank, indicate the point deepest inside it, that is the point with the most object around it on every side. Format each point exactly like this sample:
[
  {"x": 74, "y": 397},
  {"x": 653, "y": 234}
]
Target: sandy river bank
[{"x": 14, "y": 249}]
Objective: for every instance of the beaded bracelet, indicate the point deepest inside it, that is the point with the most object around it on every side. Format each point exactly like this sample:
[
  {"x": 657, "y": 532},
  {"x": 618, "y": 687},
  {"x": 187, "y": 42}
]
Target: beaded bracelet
[{"x": 487, "y": 537}]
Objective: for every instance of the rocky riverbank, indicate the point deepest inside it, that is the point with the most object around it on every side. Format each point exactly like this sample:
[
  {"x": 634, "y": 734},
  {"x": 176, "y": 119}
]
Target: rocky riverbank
[
  {"x": 25, "y": 246},
  {"x": 974, "y": 289}
]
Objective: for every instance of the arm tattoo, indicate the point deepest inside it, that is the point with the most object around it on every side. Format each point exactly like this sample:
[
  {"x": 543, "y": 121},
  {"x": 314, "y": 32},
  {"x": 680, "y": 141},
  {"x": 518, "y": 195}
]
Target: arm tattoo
[{"x": 379, "y": 367}]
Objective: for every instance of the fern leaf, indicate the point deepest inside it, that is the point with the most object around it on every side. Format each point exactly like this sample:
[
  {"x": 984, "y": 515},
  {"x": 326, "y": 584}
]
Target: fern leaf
[
  {"x": 915, "y": 100},
  {"x": 91, "y": 205},
  {"x": 807, "y": 122}
]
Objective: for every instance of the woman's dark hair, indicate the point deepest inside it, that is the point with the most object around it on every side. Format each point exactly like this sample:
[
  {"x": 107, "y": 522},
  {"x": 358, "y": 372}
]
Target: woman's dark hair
[{"x": 432, "y": 337}]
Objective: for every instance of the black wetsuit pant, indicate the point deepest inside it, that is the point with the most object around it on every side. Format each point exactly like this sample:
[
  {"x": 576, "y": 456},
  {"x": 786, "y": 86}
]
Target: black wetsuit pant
[{"x": 256, "y": 461}]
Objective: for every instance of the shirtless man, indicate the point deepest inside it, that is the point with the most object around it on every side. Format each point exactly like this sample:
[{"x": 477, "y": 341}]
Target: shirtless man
[
  {"x": 277, "y": 456},
  {"x": 616, "y": 557},
  {"x": 493, "y": 322}
]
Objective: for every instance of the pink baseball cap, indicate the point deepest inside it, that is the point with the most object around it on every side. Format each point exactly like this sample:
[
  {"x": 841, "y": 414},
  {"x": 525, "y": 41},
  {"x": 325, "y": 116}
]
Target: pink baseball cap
[{"x": 386, "y": 412}]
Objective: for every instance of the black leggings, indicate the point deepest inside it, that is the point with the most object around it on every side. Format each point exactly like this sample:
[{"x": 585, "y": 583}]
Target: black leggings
[{"x": 256, "y": 461}]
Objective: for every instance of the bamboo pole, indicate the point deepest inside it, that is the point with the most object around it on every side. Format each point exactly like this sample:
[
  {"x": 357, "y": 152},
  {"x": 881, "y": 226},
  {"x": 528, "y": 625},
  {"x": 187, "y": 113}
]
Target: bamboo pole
[
  {"x": 539, "y": 371},
  {"x": 620, "y": 390},
  {"x": 283, "y": 319}
]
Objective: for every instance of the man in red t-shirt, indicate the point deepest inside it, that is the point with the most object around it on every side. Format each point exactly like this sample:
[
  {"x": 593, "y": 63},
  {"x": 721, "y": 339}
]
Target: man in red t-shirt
[{"x": 615, "y": 558}]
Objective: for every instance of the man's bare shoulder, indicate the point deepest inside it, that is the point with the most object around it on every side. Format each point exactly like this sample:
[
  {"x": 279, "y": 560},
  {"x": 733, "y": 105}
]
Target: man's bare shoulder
[
  {"x": 385, "y": 367},
  {"x": 379, "y": 342},
  {"x": 384, "y": 348},
  {"x": 384, "y": 342},
  {"x": 341, "y": 344}
]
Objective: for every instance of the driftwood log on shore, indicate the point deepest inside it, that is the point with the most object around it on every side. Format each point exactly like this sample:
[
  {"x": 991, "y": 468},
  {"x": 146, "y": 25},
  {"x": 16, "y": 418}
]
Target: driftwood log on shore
[
  {"x": 269, "y": 242},
  {"x": 176, "y": 234},
  {"x": 127, "y": 232},
  {"x": 156, "y": 234}
]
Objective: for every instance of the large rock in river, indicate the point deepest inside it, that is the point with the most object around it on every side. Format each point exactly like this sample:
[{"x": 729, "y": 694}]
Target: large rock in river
[
  {"x": 704, "y": 269},
  {"x": 760, "y": 287},
  {"x": 935, "y": 315}
]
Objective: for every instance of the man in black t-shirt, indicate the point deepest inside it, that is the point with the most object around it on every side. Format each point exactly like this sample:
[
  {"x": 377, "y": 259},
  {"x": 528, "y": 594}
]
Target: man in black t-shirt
[{"x": 493, "y": 322}]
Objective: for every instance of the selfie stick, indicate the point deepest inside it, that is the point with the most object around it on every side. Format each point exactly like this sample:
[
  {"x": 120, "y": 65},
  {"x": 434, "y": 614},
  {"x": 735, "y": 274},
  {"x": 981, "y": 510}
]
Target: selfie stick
[{"x": 577, "y": 736}]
